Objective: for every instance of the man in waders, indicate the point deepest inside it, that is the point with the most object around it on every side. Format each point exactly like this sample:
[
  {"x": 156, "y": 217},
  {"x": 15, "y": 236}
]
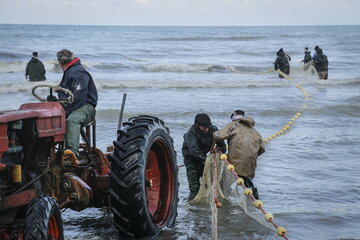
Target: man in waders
[
  {"x": 198, "y": 141},
  {"x": 321, "y": 64},
  {"x": 35, "y": 69},
  {"x": 245, "y": 145},
  {"x": 282, "y": 62},
  {"x": 82, "y": 110}
]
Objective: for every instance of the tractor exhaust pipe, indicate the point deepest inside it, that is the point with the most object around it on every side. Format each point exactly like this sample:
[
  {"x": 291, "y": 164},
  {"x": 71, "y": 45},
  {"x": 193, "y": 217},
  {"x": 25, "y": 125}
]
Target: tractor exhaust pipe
[{"x": 121, "y": 112}]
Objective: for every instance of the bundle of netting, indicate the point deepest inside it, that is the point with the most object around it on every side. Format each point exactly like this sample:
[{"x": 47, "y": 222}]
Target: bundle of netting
[{"x": 221, "y": 183}]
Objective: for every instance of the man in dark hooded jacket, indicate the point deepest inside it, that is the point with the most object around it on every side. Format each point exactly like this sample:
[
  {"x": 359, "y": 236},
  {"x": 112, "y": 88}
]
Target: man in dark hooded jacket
[
  {"x": 82, "y": 110},
  {"x": 307, "y": 56},
  {"x": 321, "y": 64},
  {"x": 197, "y": 143},
  {"x": 282, "y": 62},
  {"x": 35, "y": 69}
]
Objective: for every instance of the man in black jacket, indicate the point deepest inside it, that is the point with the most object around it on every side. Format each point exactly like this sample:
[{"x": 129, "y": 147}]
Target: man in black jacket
[
  {"x": 197, "y": 143},
  {"x": 82, "y": 110},
  {"x": 321, "y": 64},
  {"x": 282, "y": 62},
  {"x": 35, "y": 69},
  {"x": 307, "y": 56}
]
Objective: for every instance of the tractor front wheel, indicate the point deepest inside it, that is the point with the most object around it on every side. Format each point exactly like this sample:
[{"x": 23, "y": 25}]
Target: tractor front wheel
[
  {"x": 43, "y": 220},
  {"x": 143, "y": 178}
]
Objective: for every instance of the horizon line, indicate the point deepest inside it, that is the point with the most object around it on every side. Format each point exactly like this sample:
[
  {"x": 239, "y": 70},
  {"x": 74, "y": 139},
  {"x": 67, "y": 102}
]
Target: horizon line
[{"x": 138, "y": 25}]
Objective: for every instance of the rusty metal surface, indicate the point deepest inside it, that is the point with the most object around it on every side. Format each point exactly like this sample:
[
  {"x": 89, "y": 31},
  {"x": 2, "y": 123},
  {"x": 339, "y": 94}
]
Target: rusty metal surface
[
  {"x": 18, "y": 199},
  {"x": 75, "y": 190}
]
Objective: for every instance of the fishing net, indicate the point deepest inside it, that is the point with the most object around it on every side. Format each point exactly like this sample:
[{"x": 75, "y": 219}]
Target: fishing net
[{"x": 219, "y": 184}]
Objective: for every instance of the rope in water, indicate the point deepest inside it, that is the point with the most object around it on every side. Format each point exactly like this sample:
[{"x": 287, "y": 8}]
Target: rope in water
[
  {"x": 216, "y": 201},
  {"x": 287, "y": 126}
]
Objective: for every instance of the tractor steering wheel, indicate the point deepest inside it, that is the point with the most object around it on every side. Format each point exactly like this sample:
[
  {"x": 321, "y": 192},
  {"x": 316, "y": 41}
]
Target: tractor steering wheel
[{"x": 68, "y": 100}]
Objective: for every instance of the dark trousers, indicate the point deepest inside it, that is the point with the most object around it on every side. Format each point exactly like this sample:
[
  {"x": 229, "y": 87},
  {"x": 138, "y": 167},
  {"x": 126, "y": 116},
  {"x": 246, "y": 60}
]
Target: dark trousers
[{"x": 194, "y": 172}]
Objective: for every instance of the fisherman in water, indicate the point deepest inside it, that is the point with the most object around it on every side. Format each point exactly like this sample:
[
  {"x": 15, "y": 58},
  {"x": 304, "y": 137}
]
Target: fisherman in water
[
  {"x": 198, "y": 141},
  {"x": 245, "y": 145}
]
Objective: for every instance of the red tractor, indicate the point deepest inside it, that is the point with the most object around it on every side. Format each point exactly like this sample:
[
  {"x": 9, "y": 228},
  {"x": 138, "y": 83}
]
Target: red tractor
[{"x": 137, "y": 181}]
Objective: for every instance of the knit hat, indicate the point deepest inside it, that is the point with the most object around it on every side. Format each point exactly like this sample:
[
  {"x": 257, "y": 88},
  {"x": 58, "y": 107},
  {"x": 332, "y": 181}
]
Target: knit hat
[
  {"x": 202, "y": 119},
  {"x": 35, "y": 54},
  {"x": 237, "y": 114}
]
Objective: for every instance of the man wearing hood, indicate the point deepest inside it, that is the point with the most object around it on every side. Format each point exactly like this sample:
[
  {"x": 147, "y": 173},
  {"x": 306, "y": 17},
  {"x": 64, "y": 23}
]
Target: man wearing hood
[
  {"x": 35, "y": 69},
  {"x": 198, "y": 141},
  {"x": 321, "y": 64},
  {"x": 245, "y": 144},
  {"x": 282, "y": 62},
  {"x": 82, "y": 110},
  {"x": 316, "y": 48},
  {"x": 307, "y": 56}
]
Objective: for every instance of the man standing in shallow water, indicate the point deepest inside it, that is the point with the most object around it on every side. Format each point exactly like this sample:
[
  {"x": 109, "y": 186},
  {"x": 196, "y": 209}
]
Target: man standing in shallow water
[
  {"x": 198, "y": 141},
  {"x": 82, "y": 110},
  {"x": 245, "y": 145},
  {"x": 35, "y": 69}
]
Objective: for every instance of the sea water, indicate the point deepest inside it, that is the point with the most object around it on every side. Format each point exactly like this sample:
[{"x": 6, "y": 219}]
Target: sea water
[{"x": 308, "y": 177}]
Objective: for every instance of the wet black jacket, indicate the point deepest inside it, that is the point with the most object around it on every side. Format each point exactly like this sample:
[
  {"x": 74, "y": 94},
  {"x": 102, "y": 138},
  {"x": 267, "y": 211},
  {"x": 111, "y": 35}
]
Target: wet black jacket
[
  {"x": 81, "y": 84},
  {"x": 197, "y": 144},
  {"x": 282, "y": 63},
  {"x": 36, "y": 70},
  {"x": 307, "y": 57},
  {"x": 321, "y": 63}
]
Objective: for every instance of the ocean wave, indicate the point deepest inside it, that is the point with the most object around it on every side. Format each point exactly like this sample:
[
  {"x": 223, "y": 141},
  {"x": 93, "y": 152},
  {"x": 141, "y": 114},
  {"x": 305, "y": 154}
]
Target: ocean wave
[
  {"x": 9, "y": 87},
  {"x": 240, "y": 38},
  {"x": 20, "y": 66},
  {"x": 182, "y": 68},
  {"x": 10, "y": 55}
]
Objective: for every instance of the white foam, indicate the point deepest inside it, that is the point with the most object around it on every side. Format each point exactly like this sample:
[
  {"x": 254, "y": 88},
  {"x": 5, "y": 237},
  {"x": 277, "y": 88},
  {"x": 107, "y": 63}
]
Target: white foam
[
  {"x": 179, "y": 67},
  {"x": 20, "y": 66}
]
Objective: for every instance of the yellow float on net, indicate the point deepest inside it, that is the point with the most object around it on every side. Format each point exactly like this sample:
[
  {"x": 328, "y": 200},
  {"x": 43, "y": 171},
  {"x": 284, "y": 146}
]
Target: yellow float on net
[
  {"x": 281, "y": 231},
  {"x": 299, "y": 114},
  {"x": 248, "y": 191},
  {"x": 258, "y": 203},
  {"x": 269, "y": 217},
  {"x": 290, "y": 123},
  {"x": 230, "y": 167},
  {"x": 287, "y": 126},
  {"x": 273, "y": 136},
  {"x": 240, "y": 181},
  {"x": 223, "y": 156},
  {"x": 277, "y": 134},
  {"x": 293, "y": 119}
]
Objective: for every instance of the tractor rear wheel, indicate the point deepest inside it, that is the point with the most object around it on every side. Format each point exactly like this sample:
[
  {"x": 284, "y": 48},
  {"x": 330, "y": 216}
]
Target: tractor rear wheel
[
  {"x": 143, "y": 178},
  {"x": 43, "y": 220}
]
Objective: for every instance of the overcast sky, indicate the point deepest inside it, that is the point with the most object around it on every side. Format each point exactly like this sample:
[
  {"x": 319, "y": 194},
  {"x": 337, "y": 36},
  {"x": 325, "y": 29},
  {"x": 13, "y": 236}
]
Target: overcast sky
[{"x": 181, "y": 12}]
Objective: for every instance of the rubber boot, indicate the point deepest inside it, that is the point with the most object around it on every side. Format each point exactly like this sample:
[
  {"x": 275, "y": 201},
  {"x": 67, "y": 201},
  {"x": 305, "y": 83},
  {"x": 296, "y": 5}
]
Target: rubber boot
[
  {"x": 255, "y": 193},
  {"x": 192, "y": 195}
]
